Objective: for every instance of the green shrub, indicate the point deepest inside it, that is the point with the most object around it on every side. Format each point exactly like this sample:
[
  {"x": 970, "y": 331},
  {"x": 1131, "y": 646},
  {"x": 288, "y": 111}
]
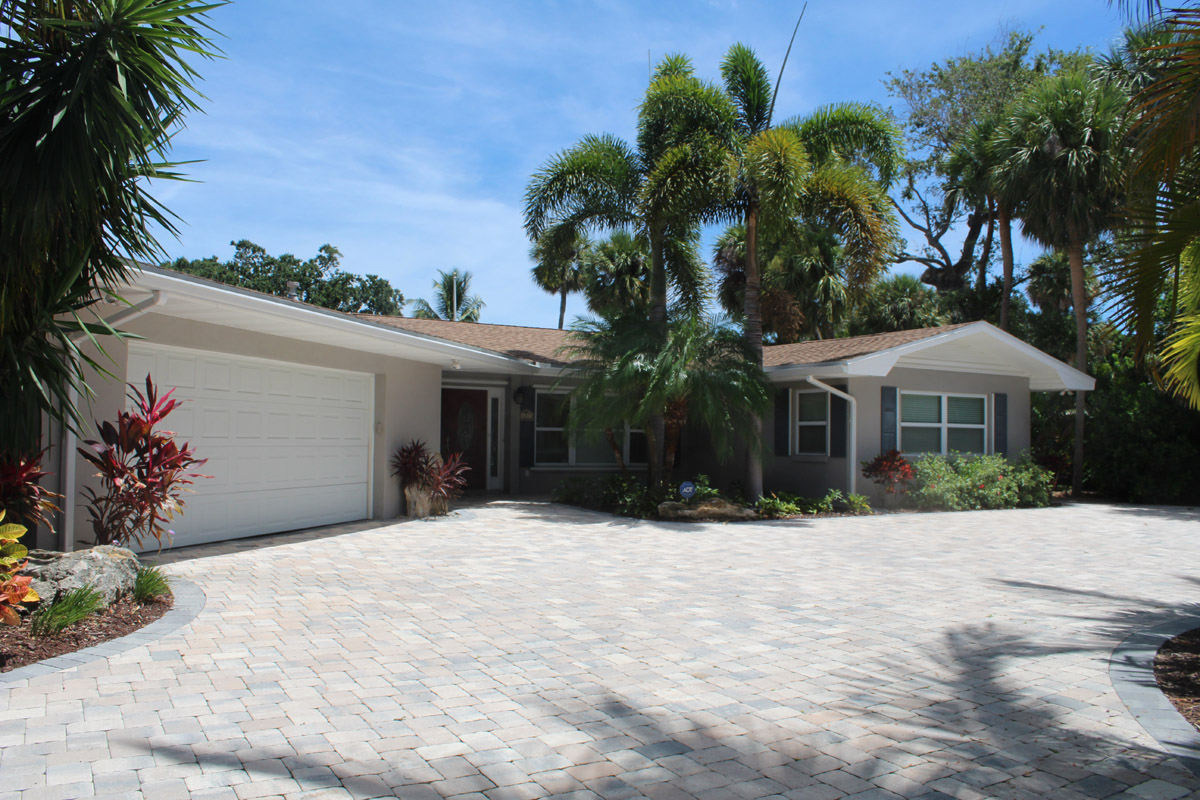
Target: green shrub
[
  {"x": 620, "y": 494},
  {"x": 858, "y": 504},
  {"x": 67, "y": 610},
  {"x": 962, "y": 483},
  {"x": 150, "y": 583}
]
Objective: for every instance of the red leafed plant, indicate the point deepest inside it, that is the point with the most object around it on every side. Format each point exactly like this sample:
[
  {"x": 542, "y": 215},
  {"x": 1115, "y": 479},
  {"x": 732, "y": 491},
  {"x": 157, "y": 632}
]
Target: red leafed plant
[
  {"x": 143, "y": 472},
  {"x": 888, "y": 470},
  {"x": 446, "y": 480},
  {"x": 21, "y": 494},
  {"x": 14, "y": 589}
]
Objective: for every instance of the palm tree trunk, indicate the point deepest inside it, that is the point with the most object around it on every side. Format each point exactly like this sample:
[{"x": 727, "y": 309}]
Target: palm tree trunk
[
  {"x": 753, "y": 333},
  {"x": 562, "y": 306},
  {"x": 1006, "y": 255},
  {"x": 611, "y": 438},
  {"x": 658, "y": 319},
  {"x": 986, "y": 255},
  {"x": 1079, "y": 300}
]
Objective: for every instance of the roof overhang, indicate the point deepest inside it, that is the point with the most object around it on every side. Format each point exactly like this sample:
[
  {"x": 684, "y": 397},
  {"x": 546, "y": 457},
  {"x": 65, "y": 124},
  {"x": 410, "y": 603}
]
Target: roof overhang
[
  {"x": 200, "y": 300},
  {"x": 978, "y": 348}
]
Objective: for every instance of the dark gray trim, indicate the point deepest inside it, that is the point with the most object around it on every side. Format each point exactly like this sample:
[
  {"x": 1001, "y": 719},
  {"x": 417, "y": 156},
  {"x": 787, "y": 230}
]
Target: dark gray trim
[
  {"x": 189, "y": 601},
  {"x": 1000, "y": 424},
  {"x": 783, "y": 421},
  {"x": 839, "y": 412},
  {"x": 1131, "y": 670},
  {"x": 889, "y": 423}
]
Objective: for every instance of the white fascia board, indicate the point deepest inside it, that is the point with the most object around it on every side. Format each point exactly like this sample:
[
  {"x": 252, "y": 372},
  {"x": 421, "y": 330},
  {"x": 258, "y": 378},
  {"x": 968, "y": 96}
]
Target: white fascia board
[
  {"x": 429, "y": 349},
  {"x": 797, "y": 372}
]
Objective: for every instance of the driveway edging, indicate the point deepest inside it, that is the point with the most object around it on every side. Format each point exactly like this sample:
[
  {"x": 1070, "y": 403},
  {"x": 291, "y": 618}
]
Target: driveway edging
[
  {"x": 1131, "y": 670},
  {"x": 189, "y": 601}
]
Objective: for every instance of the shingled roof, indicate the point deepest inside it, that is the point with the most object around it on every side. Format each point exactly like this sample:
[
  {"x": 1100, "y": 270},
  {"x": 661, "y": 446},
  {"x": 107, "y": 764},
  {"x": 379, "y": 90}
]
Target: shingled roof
[
  {"x": 544, "y": 344},
  {"x": 531, "y": 344},
  {"x": 824, "y": 351}
]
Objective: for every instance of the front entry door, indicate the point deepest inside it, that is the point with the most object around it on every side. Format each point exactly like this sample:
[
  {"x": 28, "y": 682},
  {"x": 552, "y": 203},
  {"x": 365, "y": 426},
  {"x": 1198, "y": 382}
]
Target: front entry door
[{"x": 465, "y": 430}]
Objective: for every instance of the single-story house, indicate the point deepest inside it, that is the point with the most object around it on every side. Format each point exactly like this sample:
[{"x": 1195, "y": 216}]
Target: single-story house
[{"x": 298, "y": 409}]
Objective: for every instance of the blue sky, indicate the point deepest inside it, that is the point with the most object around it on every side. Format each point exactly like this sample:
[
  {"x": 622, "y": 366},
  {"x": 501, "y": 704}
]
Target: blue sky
[{"x": 404, "y": 133}]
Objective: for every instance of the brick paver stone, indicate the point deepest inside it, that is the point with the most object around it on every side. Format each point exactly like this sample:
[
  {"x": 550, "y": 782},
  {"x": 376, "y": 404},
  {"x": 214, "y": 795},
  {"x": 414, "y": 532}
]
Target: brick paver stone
[{"x": 525, "y": 650}]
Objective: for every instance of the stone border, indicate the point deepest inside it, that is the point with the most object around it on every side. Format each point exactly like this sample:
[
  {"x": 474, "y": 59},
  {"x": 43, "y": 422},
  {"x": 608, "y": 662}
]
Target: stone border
[
  {"x": 189, "y": 601},
  {"x": 1131, "y": 670}
]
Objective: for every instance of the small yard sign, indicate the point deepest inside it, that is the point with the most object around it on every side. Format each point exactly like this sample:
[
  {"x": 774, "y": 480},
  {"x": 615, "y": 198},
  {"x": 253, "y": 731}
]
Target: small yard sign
[{"x": 687, "y": 490}]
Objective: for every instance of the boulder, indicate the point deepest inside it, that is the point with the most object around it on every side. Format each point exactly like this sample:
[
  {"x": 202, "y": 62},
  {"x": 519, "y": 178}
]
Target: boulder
[
  {"x": 711, "y": 509},
  {"x": 109, "y": 570}
]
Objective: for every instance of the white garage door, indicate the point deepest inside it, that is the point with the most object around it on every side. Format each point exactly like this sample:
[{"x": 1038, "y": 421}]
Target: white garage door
[{"x": 288, "y": 446}]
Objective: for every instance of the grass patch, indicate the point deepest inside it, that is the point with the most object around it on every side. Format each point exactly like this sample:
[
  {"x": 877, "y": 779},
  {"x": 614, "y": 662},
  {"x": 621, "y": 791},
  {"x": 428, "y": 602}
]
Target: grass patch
[
  {"x": 71, "y": 608},
  {"x": 150, "y": 584}
]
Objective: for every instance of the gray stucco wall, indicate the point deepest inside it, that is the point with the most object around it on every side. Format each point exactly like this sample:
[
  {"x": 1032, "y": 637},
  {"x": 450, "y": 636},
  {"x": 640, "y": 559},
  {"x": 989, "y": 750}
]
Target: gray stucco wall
[{"x": 815, "y": 475}]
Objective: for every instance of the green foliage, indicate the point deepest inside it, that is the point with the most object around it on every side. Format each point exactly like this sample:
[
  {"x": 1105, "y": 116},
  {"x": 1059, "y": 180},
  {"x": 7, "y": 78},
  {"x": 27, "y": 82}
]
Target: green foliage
[
  {"x": 778, "y": 505},
  {"x": 452, "y": 299},
  {"x": 90, "y": 97},
  {"x": 704, "y": 489},
  {"x": 321, "y": 280},
  {"x": 699, "y": 373},
  {"x": 149, "y": 584},
  {"x": 559, "y": 255},
  {"x": 1142, "y": 443},
  {"x": 896, "y": 303},
  {"x": 14, "y": 589},
  {"x": 961, "y": 483},
  {"x": 858, "y": 503},
  {"x": 69, "y": 609},
  {"x": 619, "y": 494}
]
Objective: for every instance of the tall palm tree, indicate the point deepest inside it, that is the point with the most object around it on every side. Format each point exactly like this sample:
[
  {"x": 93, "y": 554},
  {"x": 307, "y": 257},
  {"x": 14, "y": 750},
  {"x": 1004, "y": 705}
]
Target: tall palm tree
[
  {"x": 1063, "y": 152},
  {"x": 675, "y": 179},
  {"x": 90, "y": 97},
  {"x": 452, "y": 299},
  {"x": 699, "y": 374},
  {"x": 558, "y": 257},
  {"x": 672, "y": 181}
]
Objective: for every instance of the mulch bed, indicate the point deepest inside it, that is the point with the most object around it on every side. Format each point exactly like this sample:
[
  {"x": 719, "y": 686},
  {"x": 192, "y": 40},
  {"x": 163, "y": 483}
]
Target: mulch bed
[
  {"x": 18, "y": 648},
  {"x": 1177, "y": 670}
]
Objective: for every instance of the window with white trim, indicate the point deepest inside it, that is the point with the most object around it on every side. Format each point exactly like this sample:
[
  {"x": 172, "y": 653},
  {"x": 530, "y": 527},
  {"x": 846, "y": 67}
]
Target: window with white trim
[
  {"x": 943, "y": 423},
  {"x": 554, "y": 444},
  {"x": 811, "y": 428}
]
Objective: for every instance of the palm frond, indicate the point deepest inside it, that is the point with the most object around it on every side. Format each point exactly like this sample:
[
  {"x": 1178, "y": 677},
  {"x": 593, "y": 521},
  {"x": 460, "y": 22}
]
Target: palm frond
[
  {"x": 748, "y": 83},
  {"x": 857, "y": 132}
]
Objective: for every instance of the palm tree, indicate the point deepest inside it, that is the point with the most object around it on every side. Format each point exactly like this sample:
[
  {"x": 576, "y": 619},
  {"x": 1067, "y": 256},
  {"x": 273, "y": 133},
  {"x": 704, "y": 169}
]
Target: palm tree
[
  {"x": 898, "y": 303},
  {"x": 701, "y": 374},
  {"x": 92, "y": 95},
  {"x": 1163, "y": 218},
  {"x": 672, "y": 181},
  {"x": 1063, "y": 153},
  {"x": 558, "y": 257},
  {"x": 616, "y": 275},
  {"x": 452, "y": 299},
  {"x": 676, "y": 178}
]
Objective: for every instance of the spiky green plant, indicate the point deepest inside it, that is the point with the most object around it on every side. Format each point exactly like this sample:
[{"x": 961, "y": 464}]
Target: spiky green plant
[
  {"x": 69, "y": 609},
  {"x": 149, "y": 584}
]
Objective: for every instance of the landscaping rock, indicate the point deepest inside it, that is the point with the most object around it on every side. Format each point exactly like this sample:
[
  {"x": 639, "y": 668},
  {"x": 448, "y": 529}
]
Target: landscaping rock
[
  {"x": 712, "y": 509},
  {"x": 109, "y": 570}
]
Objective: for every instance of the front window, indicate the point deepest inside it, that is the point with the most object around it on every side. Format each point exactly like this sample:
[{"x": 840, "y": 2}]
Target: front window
[
  {"x": 812, "y": 423},
  {"x": 942, "y": 423},
  {"x": 554, "y": 444}
]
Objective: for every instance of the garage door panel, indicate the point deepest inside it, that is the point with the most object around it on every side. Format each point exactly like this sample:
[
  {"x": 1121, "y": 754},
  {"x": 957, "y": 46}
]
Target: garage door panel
[{"x": 288, "y": 446}]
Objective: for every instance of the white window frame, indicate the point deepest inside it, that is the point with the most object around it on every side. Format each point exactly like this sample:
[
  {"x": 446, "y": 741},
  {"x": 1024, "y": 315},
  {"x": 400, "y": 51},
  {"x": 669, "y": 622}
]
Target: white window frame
[
  {"x": 797, "y": 423},
  {"x": 572, "y": 457},
  {"x": 945, "y": 425}
]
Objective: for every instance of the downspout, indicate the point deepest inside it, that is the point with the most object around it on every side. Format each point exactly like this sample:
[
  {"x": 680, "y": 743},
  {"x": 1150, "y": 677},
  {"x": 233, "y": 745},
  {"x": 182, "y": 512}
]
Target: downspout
[
  {"x": 852, "y": 448},
  {"x": 68, "y": 439}
]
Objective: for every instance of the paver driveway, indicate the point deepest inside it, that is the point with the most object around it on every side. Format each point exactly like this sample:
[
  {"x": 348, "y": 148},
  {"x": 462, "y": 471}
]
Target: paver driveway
[{"x": 526, "y": 650}]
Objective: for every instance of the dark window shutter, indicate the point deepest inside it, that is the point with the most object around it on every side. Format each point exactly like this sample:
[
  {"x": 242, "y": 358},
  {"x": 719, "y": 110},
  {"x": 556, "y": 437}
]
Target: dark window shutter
[
  {"x": 525, "y": 435},
  {"x": 838, "y": 412},
  {"x": 783, "y": 422},
  {"x": 1000, "y": 424},
  {"x": 889, "y": 422}
]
